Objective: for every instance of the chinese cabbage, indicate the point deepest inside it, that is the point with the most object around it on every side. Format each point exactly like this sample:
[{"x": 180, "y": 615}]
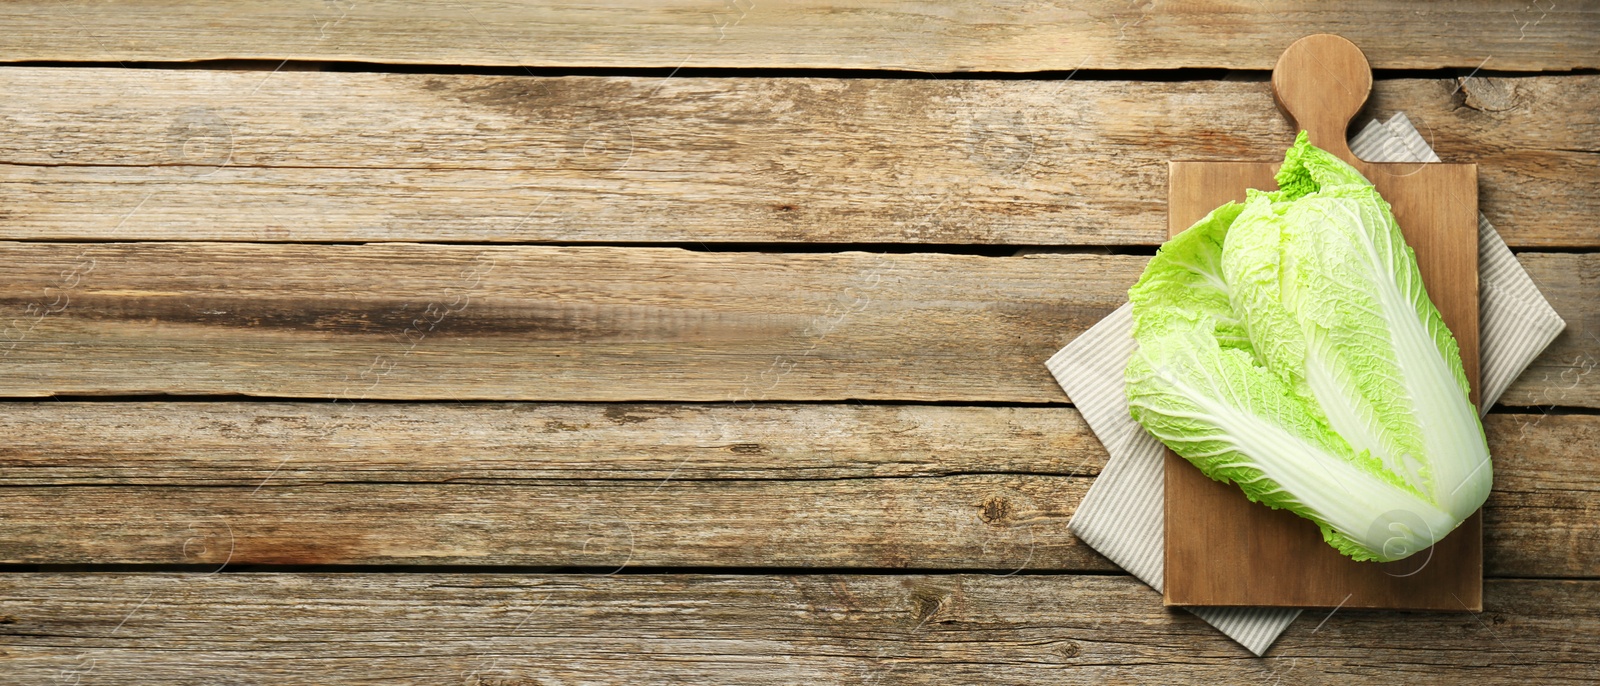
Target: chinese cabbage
[{"x": 1287, "y": 345}]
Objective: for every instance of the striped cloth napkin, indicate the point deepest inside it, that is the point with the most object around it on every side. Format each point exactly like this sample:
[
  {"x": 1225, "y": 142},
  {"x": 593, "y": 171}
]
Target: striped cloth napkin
[{"x": 1121, "y": 516}]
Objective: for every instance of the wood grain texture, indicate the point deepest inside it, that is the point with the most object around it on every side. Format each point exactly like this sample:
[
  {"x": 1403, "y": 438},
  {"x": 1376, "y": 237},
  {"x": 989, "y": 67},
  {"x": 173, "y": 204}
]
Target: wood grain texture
[
  {"x": 616, "y": 485},
  {"x": 198, "y": 444},
  {"x": 407, "y": 321},
  {"x": 576, "y": 485},
  {"x": 862, "y": 34},
  {"x": 586, "y": 323},
  {"x": 258, "y": 629},
  {"x": 1321, "y": 81},
  {"x": 135, "y": 154},
  {"x": 1525, "y": 449}
]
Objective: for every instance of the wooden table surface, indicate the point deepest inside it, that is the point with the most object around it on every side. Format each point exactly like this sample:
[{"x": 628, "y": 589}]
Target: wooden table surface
[{"x": 688, "y": 342}]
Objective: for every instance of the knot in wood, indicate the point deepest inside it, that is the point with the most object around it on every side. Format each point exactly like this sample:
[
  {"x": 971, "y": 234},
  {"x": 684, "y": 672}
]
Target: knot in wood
[{"x": 995, "y": 510}]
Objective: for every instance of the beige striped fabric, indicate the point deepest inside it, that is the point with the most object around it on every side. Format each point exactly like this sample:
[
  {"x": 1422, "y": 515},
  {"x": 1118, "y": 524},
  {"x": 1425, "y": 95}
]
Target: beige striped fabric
[{"x": 1121, "y": 514}]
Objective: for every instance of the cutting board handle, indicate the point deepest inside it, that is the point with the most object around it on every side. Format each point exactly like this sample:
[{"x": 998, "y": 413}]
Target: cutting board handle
[{"x": 1321, "y": 82}]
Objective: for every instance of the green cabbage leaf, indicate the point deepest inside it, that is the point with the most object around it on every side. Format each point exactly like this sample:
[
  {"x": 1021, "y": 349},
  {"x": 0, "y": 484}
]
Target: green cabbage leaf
[{"x": 1286, "y": 345}]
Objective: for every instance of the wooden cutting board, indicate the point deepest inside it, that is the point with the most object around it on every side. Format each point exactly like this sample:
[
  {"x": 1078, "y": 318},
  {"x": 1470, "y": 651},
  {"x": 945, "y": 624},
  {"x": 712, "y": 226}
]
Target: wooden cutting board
[{"x": 1222, "y": 549}]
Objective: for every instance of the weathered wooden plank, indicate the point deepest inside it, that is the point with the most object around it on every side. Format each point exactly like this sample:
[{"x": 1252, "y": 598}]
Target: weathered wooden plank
[
  {"x": 895, "y": 523},
  {"x": 693, "y": 629},
  {"x": 122, "y": 154},
  {"x": 864, "y": 34},
  {"x": 408, "y": 321},
  {"x": 697, "y": 485},
  {"x": 1543, "y": 516},
  {"x": 575, "y": 323},
  {"x": 595, "y": 485},
  {"x": 231, "y": 444}
]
